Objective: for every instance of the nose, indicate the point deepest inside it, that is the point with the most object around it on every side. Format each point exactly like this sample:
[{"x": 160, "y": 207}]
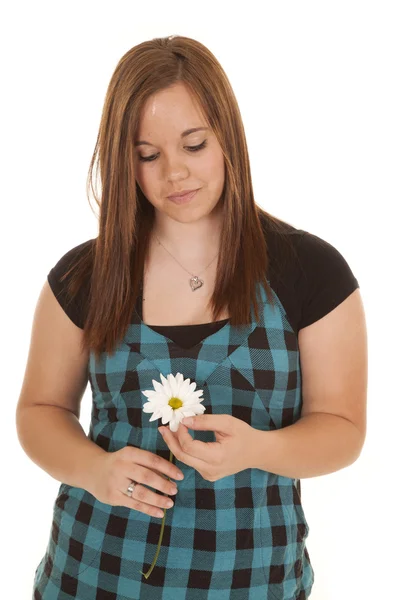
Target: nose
[{"x": 176, "y": 168}]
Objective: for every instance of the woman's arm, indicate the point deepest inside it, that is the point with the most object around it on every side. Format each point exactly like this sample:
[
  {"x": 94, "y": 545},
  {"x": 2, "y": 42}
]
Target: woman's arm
[
  {"x": 331, "y": 431},
  {"x": 48, "y": 409},
  {"x": 316, "y": 444}
]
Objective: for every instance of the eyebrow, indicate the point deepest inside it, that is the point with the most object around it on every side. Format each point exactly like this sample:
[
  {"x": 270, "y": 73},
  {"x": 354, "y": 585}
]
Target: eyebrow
[{"x": 183, "y": 134}]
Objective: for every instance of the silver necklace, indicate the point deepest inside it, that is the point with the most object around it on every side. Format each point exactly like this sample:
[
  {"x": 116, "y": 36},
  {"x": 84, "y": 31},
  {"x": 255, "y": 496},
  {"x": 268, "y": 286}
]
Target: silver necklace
[{"x": 194, "y": 281}]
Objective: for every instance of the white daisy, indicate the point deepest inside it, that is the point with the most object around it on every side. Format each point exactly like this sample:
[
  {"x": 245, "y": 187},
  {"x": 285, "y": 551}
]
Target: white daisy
[{"x": 173, "y": 400}]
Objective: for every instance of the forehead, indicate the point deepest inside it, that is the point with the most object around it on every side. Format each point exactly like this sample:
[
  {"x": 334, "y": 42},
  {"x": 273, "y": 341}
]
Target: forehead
[{"x": 170, "y": 111}]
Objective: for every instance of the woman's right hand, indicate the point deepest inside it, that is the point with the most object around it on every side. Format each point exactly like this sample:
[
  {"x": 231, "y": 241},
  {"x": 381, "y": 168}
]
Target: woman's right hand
[{"x": 113, "y": 472}]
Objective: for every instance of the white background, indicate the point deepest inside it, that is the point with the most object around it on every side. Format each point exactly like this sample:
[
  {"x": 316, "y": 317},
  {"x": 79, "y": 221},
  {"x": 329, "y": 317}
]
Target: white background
[{"x": 318, "y": 88}]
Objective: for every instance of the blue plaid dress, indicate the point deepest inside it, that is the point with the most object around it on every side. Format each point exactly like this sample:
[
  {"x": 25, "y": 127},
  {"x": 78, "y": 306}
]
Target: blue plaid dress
[{"x": 242, "y": 537}]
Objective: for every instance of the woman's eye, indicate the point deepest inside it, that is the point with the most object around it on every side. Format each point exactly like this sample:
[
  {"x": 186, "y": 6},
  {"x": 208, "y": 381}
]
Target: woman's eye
[{"x": 190, "y": 148}]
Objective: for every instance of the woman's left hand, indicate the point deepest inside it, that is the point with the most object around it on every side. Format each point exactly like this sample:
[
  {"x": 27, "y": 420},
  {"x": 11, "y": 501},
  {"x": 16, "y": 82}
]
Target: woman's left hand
[{"x": 235, "y": 449}]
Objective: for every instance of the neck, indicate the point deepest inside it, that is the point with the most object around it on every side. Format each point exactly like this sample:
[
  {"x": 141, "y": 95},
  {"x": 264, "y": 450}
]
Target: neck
[{"x": 197, "y": 242}]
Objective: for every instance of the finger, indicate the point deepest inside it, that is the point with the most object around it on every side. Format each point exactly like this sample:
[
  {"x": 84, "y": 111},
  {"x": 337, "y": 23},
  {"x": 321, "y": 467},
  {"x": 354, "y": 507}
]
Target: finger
[
  {"x": 147, "y": 496},
  {"x": 192, "y": 446},
  {"x": 142, "y": 493},
  {"x": 197, "y": 454},
  {"x": 183, "y": 435},
  {"x": 196, "y": 448},
  {"x": 148, "y": 509},
  {"x": 154, "y": 480},
  {"x": 155, "y": 462},
  {"x": 221, "y": 423}
]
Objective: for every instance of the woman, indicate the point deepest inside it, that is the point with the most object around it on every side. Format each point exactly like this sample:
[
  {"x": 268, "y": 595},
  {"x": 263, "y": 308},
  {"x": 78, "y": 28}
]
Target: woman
[{"x": 266, "y": 320}]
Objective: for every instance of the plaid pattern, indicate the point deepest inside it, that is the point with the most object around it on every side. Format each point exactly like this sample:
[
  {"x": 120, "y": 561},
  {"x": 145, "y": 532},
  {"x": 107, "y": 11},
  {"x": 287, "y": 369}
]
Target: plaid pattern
[{"x": 240, "y": 538}]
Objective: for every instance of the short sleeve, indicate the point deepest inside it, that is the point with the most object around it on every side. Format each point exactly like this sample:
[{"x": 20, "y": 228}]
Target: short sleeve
[
  {"x": 326, "y": 279},
  {"x": 75, "y": 307}
]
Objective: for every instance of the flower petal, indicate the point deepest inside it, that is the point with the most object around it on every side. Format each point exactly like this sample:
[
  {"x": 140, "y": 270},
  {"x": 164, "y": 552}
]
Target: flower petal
[
  {"x": 197, "y": 408},
  {"x": 174, "y": 423},
  {"x": 154, "y": 417},
  {"x": 148, "y": 393},
  {"x": 179, "y": 384},
  {"x": 173, "y": 384},
  {"x": 185, "y": 387},
  {"x": 167, "y": 387},
  {"x": 189, "y": 413},
  {"x": 167, "y": 413},
  {"x": 159, "y": 398},
  {"x": 158, "y": 387},
  {"x": 193, "y": 400}
]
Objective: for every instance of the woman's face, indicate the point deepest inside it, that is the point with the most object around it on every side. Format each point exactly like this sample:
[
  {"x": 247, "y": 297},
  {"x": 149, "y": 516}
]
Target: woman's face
[{"x": 173, "y": 166}]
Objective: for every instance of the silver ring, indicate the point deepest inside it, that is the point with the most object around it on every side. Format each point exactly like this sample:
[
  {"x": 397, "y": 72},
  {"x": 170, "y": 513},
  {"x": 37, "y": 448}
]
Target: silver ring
[{"x": 131, "y": 487}]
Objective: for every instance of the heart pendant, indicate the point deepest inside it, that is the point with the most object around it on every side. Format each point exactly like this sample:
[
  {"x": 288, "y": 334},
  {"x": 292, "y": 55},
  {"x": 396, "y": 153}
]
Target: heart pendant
[{"x": 195, "y": 283}]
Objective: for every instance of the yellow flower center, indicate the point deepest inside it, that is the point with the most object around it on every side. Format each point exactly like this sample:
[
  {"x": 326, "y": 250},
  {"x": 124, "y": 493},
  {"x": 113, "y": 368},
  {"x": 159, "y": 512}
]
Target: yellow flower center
[{"x": 175, "y": 403}]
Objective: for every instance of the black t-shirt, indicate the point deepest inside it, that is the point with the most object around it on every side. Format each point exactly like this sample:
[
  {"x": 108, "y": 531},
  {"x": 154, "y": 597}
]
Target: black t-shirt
[{"x": 309, "y": 283}]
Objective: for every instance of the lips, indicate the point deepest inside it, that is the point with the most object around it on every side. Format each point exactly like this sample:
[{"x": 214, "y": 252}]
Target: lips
[
  {"x": 181, "y": 194},
  {"x": 183, "y": 199}
]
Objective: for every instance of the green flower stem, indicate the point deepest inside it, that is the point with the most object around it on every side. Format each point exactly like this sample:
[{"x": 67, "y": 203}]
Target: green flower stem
[{"x": 147, "y": 575}]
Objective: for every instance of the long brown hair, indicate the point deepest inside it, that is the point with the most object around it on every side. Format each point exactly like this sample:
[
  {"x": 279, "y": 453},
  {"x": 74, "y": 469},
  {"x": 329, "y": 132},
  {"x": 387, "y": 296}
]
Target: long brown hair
[{"x": 114, "y": 263}]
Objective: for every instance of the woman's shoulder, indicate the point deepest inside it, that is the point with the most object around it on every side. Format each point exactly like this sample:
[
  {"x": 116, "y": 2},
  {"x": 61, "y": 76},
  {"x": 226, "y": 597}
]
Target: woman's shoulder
[
  {"x": 59, "y": 277},
  {"x": 310, "y": 275}
]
